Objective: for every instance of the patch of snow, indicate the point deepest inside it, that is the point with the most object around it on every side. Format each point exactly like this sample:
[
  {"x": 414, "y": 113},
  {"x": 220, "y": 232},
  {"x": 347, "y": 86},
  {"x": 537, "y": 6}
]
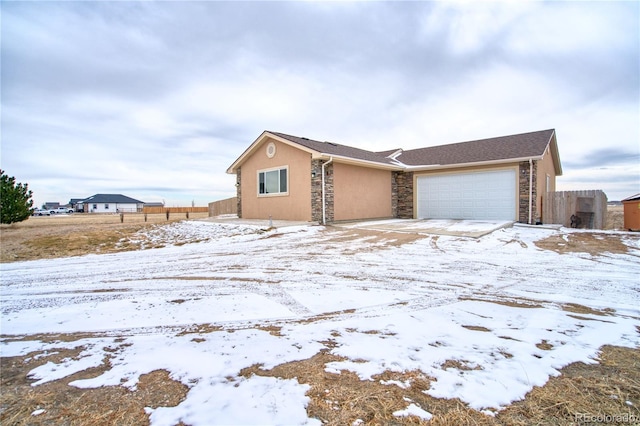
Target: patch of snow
[
  {"x": 398, "y": 383},
  {"x": 244, "y": 401},
  {"x": 414, "y": 410},
  {"x": 471, "y": 313}
]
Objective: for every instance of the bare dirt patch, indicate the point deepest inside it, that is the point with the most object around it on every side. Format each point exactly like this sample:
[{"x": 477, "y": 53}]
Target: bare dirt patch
[
  {"x": 387, "y": 238},
  {"x": 581, "y": 309},
  {"x": 476, "y": 328},
  {"x": 514, "y": 302},
  {"x": 594, "y": 243}
]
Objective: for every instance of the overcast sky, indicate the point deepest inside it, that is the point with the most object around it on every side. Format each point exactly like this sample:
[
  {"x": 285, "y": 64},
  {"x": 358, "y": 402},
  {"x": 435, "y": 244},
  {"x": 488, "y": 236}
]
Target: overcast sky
[{"x": 154, "y": 100}]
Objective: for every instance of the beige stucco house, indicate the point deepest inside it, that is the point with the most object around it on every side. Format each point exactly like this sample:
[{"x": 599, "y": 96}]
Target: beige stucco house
[{"x": 294, "y": 178}]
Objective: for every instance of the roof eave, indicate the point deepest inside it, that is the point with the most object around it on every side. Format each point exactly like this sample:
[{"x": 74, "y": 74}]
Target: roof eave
[
  {"x": 553, "y": 148},
  {"x": 426, "y": 167},
  {"x": 256, "y": 144},
  {"x": 357, "y": 162}
]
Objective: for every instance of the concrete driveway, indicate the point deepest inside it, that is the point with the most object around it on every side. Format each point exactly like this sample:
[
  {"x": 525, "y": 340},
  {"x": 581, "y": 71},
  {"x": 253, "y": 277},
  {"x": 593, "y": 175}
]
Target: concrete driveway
[
  {"x": 462, "y": 228},
  {"x": 262, "y": 223}
]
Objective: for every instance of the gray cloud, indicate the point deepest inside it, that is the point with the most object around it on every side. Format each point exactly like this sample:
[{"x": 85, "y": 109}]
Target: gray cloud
[
  {"x": 160, "y": 97},
  {"x": 602, "y": 158}
]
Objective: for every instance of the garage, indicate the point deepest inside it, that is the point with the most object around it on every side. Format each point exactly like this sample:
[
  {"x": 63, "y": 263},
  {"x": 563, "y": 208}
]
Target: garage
[{"x": 485, "y": 195}]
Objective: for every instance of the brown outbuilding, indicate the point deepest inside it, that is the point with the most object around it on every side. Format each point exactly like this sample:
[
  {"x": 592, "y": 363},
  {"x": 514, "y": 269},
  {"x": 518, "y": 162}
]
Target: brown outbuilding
[{"x": 632, "y": 212}]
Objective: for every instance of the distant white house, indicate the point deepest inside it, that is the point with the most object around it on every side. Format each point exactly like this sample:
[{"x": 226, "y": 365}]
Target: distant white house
[{"x": 110, "y": 203}]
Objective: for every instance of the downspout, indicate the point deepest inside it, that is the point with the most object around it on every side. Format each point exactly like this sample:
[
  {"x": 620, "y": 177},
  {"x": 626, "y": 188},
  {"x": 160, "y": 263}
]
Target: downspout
[
  {"x": 324, "y": 204},
  {"x": 530, "y": 188}
]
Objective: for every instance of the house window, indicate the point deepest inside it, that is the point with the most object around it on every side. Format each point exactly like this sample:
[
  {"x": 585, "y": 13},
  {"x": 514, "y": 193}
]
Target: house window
[
  {"x": 95, "y": 207},
  {"x": 106, "y": 206},
  {"x": 273, "y": 181}
]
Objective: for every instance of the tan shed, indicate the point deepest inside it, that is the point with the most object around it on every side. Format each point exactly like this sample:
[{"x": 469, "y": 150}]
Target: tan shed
[{"x": 632, "y": 213}]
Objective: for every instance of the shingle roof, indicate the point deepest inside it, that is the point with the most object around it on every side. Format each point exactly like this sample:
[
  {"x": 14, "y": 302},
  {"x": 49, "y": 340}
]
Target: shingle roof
[
  {"x": 336, "y": 149},
  {"x": 111, "y": 198},
  {"x": 498, "y": 149},
  {"x": 524, "y": 145}
]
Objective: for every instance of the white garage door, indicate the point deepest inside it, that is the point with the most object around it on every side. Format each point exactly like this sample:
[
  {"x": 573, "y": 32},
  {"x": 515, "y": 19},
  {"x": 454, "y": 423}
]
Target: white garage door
[{"x": 478, "y": 195}]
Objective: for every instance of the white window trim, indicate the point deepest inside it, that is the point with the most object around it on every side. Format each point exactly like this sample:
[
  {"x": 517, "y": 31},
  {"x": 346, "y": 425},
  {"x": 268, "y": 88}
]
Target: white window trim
[
  {"x": 548, "y": 182},
  {"x": 273, "y": 194}
]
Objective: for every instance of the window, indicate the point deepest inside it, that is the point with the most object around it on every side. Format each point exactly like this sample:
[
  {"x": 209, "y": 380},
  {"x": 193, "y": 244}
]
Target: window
[
  {"x": 273, "y": 182},
  {"x": 106, "y": 206},
  {"x": 95, "y": 206}
]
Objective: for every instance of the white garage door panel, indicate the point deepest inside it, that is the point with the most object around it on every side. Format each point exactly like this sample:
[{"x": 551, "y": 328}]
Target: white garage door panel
[{"x": 478, "y": 195}]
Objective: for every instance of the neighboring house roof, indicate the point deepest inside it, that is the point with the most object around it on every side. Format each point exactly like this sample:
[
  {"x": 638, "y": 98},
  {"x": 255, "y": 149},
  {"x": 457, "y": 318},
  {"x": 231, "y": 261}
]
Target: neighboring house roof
[
  {"x": 521, "y": 147},
  {"x": 111, "y": 198},
  {"x": 632, "y": 198}
]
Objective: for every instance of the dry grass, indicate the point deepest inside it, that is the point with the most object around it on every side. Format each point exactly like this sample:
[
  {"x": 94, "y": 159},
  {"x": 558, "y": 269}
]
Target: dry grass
[
  {"x": 68, "y": 405},
  {"x": 615, "y": 218},
  {"x": 341, "y": 399},
  {"x": 584, "y": 390},
  {"x": 75, "y": 235},
  {"x": 611, "y": 387}
]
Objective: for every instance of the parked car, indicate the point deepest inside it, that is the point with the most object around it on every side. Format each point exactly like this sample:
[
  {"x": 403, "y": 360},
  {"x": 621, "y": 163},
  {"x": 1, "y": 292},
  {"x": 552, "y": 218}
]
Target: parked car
[
  {"x": 59, "y": 210},
  {"x": 41, "y": 212}
]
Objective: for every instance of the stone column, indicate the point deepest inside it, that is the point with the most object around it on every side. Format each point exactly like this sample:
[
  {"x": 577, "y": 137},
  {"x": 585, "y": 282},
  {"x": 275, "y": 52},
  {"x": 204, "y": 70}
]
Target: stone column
[
  {"x": 316, "y": 191},
  {"x": 404, "y": 184},
  {"x": 524, "y": 172}
]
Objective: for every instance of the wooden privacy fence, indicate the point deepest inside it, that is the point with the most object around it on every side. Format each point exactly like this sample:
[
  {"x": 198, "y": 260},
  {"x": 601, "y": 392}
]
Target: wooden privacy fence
[
  {"x": 151, "y": 210},
  {"x": 576, "y": 209},
  {"x": 227, "y": 206}
]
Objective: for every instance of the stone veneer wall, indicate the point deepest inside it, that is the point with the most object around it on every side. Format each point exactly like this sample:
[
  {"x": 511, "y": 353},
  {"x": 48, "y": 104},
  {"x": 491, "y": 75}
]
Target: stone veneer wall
[
  {"x": 239, "y": 191},
  {"x": 402, "y": 195},
  {"x": 316, "y": 192},
  {"x": 523, "y": 192}
]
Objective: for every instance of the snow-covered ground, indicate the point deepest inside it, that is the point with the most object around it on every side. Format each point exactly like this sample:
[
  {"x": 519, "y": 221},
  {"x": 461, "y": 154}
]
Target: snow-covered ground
[{"x": 485, "y": 303}]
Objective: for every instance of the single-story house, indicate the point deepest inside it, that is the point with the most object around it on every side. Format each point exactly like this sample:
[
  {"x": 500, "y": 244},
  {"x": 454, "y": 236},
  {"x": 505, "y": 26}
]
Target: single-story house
[
  {"x": 295, "y": 178},
  {"x": 50, "y": 205},
  {"x": 76, "y": 204},
  {"x": 110, "y": 203},
  {"x": 154, "y": 204}
]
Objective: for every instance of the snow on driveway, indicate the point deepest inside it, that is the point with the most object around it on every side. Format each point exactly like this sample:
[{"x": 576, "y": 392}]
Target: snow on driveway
[{"x": 198, "y": 311}]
